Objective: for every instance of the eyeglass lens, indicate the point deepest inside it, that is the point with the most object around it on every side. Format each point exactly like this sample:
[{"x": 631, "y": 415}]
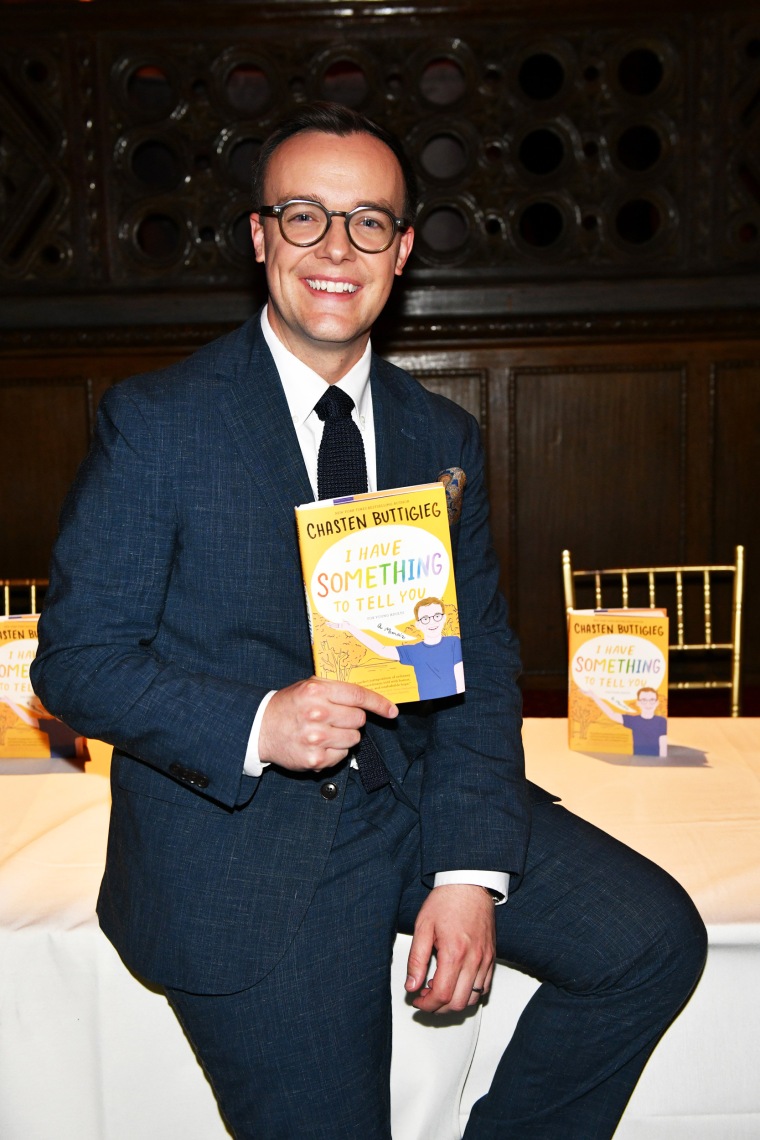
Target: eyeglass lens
[
  {"x": 425, "y": 618},
  {"x": 304, "y": 223}
]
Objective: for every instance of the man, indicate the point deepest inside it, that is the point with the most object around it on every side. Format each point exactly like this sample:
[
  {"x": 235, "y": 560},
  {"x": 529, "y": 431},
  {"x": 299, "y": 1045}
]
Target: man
[{"x": 250, "y": 872}]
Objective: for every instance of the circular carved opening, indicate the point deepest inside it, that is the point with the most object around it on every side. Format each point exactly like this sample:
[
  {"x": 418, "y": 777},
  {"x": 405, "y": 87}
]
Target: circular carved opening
[
  {"x": 638, "y": 221},
  {"x": 445, "y": 229},
  {"x": 493, "y": 152},
  {"x": 640, "y": 71},
  {"x": 639, "y": 148},
  {"x": 541, "y": 151},
  {"x": 149, "y": 90},
  {"x": 493, "y": 74},
  {"x": 156, "y": 165},
  {"x": 444, "y": 156},
  {"x": 541, "y": 224},
  {"x": 345, "y": 82},
  {"x": 242, "y": 158},
  {"x": 198, "y": 88},
  {"x": 394, "y": 83},
  {"x": 207, "y": 233},
  {"x": 589, "y": 222},
  {"x": 541, "y": 76},
  {"x": 37, "y": 71},
  {"x": 753, "y": 49},
  {"x": 442, "y": 81},
  {"x": 747, "y": 233},
  {"x": 240, "y": 234},
  {"x": 202, "y": 161},
  {"x": 494, "y": 225},
  {"x": 158, "y": 236},
  {"x": 591, "y": 74},
  {"x": 247, "y": 88},
  {"x": 51, "y": 255}
]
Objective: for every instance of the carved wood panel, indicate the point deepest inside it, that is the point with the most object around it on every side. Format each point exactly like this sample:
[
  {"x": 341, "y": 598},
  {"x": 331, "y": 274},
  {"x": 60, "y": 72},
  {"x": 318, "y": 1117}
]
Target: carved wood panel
[{"x": 547, "y": 145}]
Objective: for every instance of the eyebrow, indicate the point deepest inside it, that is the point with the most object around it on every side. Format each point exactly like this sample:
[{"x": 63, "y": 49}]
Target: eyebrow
[{"x": 320, "y": 201}]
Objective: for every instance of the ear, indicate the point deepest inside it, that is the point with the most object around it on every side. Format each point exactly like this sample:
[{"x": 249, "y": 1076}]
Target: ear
[
  {"x": 405, "y": 244},
  {"x": 257, "y": 234}
]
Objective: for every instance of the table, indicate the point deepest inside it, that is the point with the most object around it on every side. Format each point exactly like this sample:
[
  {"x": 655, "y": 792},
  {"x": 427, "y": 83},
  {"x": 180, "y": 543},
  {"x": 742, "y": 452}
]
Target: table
[{"x": 88, "y": 1052}]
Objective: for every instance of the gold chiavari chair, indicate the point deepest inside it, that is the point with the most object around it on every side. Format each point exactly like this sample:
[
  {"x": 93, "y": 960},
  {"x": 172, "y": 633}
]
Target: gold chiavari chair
[
  {"x": 619, "y": 587},
  {"x": 21, "y": 592}
]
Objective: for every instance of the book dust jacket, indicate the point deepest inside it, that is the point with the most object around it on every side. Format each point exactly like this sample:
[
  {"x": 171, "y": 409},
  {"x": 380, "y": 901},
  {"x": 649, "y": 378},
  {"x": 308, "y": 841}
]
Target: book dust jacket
[
  {"x": 380, "y": 593},
  {"x": 618, "y": 681},
  {"x": 27, "y": 729}
]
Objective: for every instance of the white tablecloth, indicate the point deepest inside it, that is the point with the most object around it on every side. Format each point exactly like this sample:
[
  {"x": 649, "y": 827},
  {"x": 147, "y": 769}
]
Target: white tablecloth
[{"x": 89, "y": 1053}]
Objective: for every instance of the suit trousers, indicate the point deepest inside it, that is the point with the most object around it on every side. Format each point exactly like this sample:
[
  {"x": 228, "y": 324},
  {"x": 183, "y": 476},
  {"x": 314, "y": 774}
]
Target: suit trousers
[{"x": 305, "y": 1053}]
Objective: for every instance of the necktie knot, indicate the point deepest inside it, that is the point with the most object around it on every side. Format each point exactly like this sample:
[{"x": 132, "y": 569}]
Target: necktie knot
[{"x": 334, "y": 404}]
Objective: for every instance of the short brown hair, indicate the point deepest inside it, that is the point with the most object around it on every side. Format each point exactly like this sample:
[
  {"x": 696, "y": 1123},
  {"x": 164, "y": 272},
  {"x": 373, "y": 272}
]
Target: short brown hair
[{"x": 333, "y": 119}]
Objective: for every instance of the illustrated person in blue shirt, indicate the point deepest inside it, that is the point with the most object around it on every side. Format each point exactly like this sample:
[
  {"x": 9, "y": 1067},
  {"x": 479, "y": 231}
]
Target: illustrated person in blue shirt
[
  {"x": 649, "y": 731},
  {"x": 436, "y": 660}
]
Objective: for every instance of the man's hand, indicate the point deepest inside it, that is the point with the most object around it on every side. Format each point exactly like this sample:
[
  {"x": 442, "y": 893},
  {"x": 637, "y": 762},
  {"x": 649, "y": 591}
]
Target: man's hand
[
  {"x": 458, "y": 922},
  {"x": 313, "y": 724}
]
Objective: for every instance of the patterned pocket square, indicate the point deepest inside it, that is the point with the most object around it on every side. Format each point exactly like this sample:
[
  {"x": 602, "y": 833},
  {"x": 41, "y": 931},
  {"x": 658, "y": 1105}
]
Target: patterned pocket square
[{"x": 455, "y": 481}]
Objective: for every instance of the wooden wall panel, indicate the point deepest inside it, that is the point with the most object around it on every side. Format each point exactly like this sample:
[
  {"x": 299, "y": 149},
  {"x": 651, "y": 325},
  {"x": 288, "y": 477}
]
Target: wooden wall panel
[
  {"x": 598, "y": 464},
  {"x": 736, "y": 484},
  {"x": 44, "y": 438}
]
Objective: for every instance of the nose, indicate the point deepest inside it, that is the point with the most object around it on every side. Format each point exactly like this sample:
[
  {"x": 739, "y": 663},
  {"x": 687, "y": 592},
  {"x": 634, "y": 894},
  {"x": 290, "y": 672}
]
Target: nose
[{"x": 335, "y": 244}]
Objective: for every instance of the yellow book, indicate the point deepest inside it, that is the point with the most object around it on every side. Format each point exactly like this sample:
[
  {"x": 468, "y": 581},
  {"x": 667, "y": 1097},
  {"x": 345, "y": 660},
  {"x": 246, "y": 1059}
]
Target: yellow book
[
  {"x": 618, "y": 681},
  {"x": 380, "y": 593},
  {"x": 27, "y": 730}
]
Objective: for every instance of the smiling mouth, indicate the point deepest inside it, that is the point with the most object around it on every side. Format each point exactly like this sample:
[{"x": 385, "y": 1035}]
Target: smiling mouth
[{"x": 331, "y": 286}]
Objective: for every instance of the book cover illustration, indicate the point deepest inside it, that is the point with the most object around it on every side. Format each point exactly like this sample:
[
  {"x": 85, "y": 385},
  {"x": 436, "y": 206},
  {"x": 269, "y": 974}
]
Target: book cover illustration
[
  {"x": 27, "y": 729},
  {"x": 618, "y": 681},
  {"x": 380, "y": 592}
]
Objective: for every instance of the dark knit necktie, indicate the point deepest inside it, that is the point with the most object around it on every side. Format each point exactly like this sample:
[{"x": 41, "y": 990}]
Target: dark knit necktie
[
  {"x": 342, "y": 470},
  {"x": 341, "y": 466}
]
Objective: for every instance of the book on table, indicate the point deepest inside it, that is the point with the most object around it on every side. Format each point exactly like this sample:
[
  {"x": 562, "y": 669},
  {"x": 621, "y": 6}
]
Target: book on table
[
  {"x": 27, "y": 730},
  {"x": 380, "y": 592},
  {"x": 618, "y": 681}
]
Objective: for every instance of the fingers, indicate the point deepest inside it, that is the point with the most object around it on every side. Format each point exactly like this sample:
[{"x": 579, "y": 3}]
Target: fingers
[
  {"x": 457, "y": 920},
  {"x": 313, "y": 724}
]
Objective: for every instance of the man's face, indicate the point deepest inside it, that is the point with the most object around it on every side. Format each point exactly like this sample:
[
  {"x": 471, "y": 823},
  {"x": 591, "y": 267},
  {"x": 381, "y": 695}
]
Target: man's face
[
  {"x": 430, "y": 622},
  {"x": 647, "y": 703},
  {"x": 321, "y": 327}
]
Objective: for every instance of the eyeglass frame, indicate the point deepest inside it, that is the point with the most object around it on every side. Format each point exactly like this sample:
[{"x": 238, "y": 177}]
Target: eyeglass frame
[
  {"x": 426, "y": 618},
  {"x": 400, "y": 225}
]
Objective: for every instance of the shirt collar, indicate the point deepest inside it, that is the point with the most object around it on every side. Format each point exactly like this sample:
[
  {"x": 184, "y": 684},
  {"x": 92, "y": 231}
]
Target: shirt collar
[{"x": 303, "y": 387}]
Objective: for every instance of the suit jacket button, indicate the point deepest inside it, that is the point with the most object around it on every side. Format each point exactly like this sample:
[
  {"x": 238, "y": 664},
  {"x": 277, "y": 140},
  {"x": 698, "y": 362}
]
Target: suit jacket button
[
  {"x": 201, "y": 781},
  {"x": 329, "y": 790},
  {"x": 176, "y": 770}
]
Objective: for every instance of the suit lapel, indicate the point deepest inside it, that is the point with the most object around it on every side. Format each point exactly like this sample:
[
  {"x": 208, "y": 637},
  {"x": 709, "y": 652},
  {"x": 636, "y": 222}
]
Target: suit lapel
[
  {"x": 259, "y": 422},
  {"x": 400, "y": 432}
]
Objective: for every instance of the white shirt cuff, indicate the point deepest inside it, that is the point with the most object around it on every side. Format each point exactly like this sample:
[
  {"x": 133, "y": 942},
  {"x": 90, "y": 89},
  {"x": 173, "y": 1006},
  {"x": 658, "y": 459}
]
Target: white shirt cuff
[
  {"x": 492, "y": 880},
  {"x": 253, "y": 765}
]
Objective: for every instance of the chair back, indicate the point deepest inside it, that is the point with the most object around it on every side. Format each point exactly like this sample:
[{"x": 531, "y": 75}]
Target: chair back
[
  {"x": 688, "y": 592},
  {"x": 20, "y": 595}
]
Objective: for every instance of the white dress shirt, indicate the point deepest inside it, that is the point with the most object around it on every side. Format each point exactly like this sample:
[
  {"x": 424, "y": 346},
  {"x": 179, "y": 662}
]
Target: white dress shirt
[{"x": 303, "y": 389}]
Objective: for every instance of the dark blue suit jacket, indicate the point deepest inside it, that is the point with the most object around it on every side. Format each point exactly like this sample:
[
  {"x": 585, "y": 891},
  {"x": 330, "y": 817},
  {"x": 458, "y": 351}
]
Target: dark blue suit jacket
[{"x": 176, "y": 603}]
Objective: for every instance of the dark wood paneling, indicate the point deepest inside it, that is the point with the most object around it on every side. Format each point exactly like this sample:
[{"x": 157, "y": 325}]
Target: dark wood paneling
[
  {"x": 44, "y": 438},
  {"x": 736, "y": 485},
  {"x": 631, "y": 452},
  {"x": 598, "y": 465}
]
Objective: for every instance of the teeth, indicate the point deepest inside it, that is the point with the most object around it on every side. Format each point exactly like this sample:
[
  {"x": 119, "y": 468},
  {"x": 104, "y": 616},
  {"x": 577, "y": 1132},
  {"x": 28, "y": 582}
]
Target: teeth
[{"x": 332, "y": 286}]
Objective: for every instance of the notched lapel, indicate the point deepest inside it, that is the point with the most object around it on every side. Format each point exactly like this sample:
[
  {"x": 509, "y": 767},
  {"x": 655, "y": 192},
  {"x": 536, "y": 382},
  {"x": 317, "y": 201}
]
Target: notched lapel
[
  {"x": 257, "y": 416},
  {"x": 399, "y": 433}
]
